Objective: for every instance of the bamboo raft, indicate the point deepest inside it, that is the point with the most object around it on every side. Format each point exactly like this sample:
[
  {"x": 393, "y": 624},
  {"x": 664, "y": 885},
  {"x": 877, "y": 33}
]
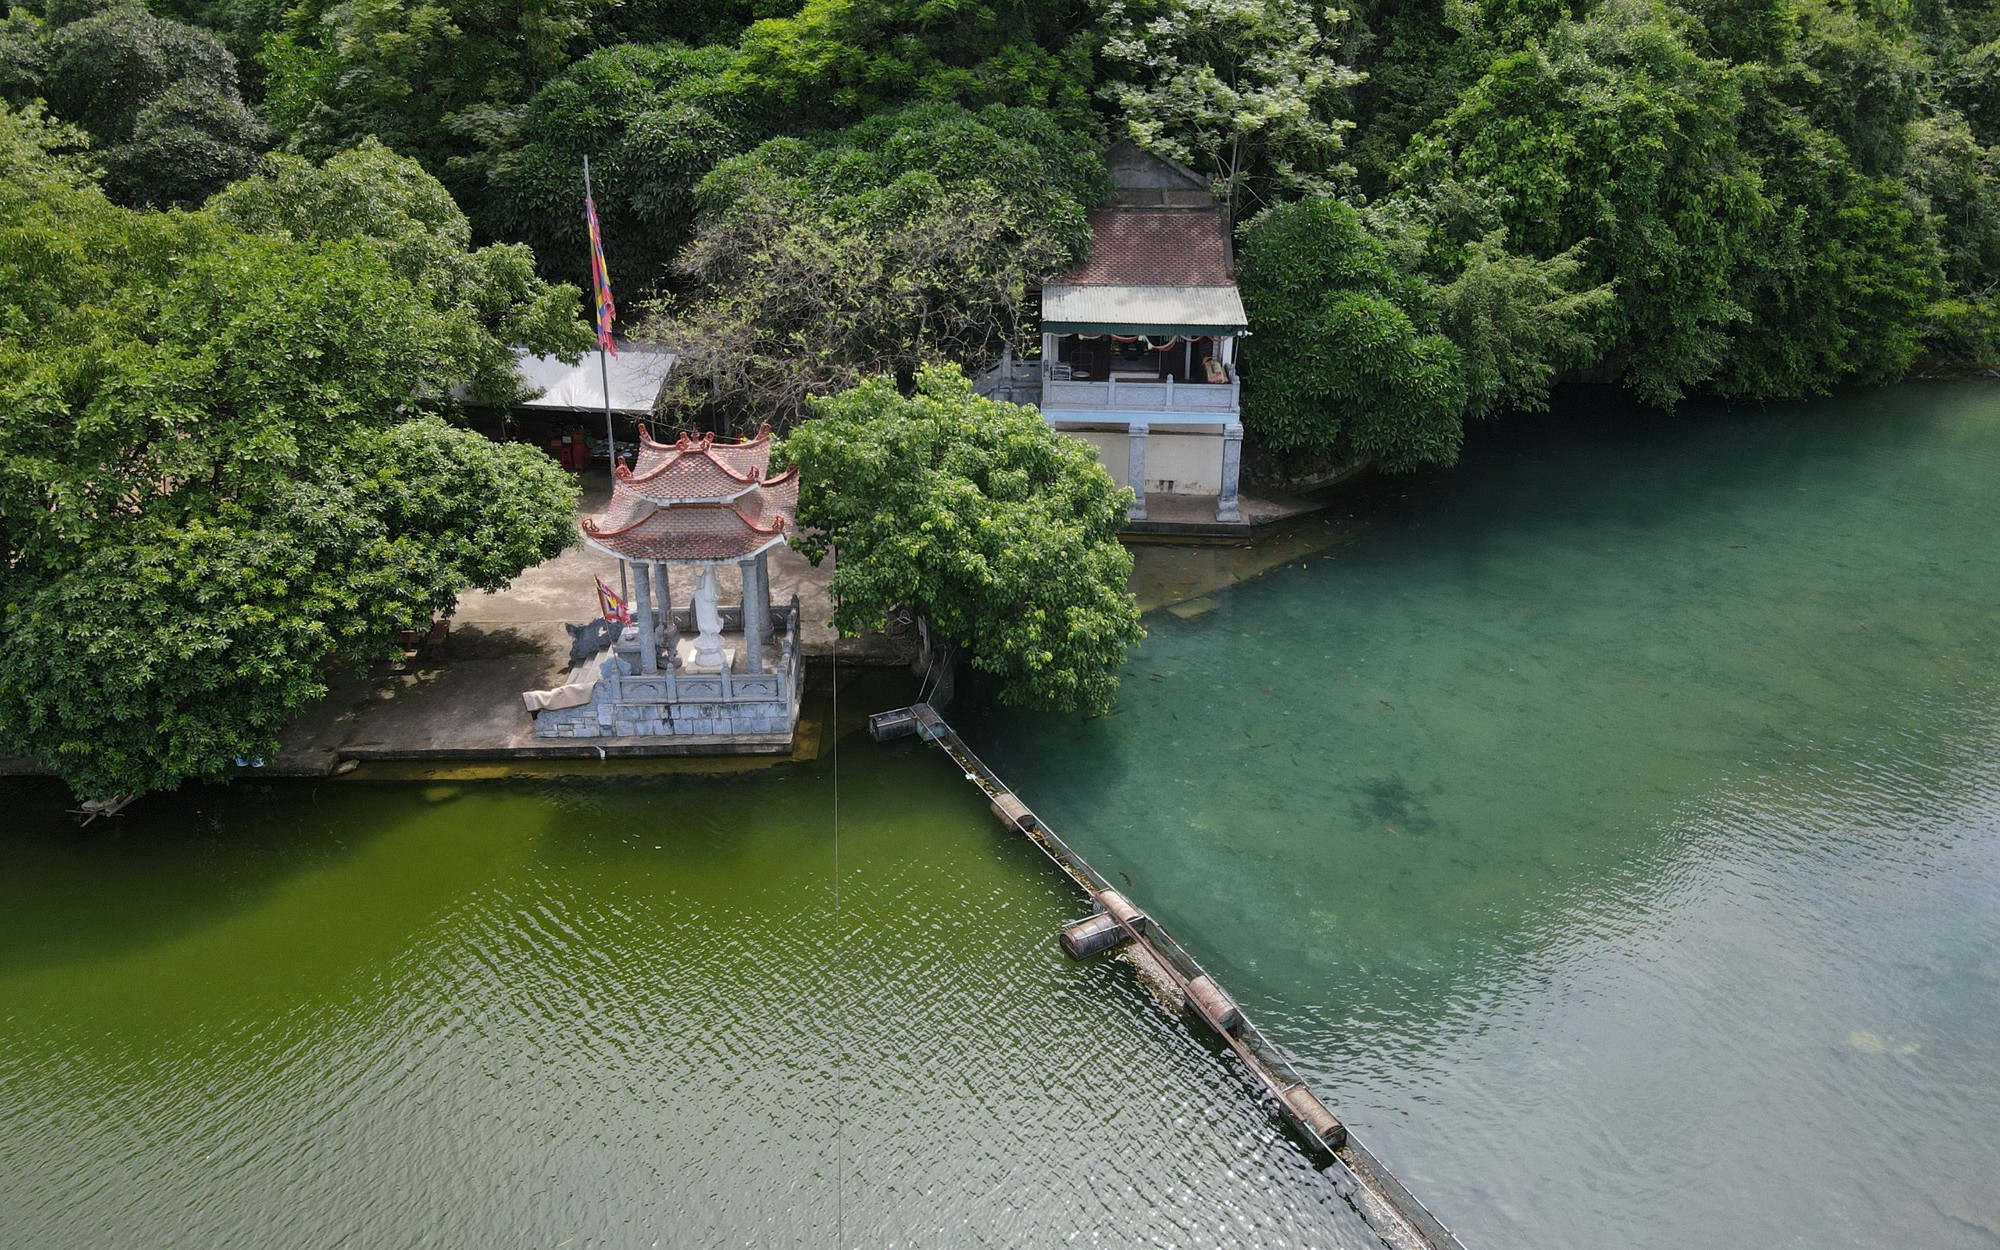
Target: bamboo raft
[{"x": 1388, "y": 1207}]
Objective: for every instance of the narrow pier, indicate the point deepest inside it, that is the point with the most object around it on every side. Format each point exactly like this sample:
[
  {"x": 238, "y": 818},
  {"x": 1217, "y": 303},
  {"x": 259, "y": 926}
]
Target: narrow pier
[{"x": 1390, "y": 1209}]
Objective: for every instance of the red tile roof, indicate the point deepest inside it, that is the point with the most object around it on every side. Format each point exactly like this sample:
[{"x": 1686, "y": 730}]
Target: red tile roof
[
  {"x": 697, "y": 468},
  {"x": 1155, "y": 247},
  {"x": 637, "y": 528}
]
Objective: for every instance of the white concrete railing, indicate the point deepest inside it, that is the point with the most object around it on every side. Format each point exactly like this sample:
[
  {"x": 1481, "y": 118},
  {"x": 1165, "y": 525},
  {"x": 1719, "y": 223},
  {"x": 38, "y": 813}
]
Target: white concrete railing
[{"x": 1163, "y": 395}]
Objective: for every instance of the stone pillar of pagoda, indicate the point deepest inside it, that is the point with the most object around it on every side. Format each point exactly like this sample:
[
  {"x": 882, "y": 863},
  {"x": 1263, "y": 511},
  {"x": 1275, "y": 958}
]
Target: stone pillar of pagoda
[
  {"x": 755, "y": 608},
  {"x": 764, "y": 594},
  {"x": 649, "y": 654},
  {"x": 671, "y": 636}
]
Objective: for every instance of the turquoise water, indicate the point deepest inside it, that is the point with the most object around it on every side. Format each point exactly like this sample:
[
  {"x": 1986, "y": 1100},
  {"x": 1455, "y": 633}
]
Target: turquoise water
[
  {"x": 597, "y": 1014},
  {"x": 1610, "y": 827}
]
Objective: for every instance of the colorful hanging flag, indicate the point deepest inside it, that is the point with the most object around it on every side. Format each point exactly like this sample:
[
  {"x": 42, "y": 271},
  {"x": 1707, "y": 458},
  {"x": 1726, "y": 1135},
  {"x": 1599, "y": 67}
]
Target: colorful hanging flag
[
  {"x": 613, "y": 608},
  {"x": 600, "y": 277}
]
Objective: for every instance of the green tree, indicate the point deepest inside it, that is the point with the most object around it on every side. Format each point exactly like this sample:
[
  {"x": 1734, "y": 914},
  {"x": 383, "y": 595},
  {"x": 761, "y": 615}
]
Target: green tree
[
  {"x": 1843, "y": 277},
  {"x": 159, "y": 658},
  {"x": 217, "y": 478},
  {"x": 1518, "y": 322},
  {"x": 159, "y": 99},
  {"x": 906, "y": 238},
  {"x": 1354, "y": 368},
  {"x": 429, "y": 79},
  {"x": 837, "y": 61},
  {"x": 1860, "y": 81},
  {"x": 1957, "y": 181},
  {"x": 1615, "y": 133},
  {"x": 654, "y": 120},
  {"x": 1001, "y": 532},
  {"x": 1359, "y": 353},
  {"x": 388, "y": 205},
  {"x": 1249, "y": 91}
]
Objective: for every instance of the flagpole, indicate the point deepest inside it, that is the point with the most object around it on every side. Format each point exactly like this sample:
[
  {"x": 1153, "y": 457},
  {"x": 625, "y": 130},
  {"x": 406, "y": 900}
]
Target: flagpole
[
  {"x": 603, "y": 357},
  {"x": 604, "y": 378}
]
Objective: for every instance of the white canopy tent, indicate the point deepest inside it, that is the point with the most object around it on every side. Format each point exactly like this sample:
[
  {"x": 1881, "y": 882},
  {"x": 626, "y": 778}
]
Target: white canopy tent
[{"x": 636, "y": 374}]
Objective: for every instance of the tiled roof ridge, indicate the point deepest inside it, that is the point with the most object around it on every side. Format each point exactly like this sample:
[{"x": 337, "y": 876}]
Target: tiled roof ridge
[
  {"x": 707, "y": 440},
  {"x": 590, "y": 526},
  {"x": 705, "y": 447}
]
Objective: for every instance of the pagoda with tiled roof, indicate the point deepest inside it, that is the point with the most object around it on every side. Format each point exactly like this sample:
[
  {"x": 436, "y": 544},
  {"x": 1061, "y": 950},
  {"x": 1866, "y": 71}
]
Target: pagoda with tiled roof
[
  {"x": 708, "y": 505},
  {"x": 696, "y": 501}
]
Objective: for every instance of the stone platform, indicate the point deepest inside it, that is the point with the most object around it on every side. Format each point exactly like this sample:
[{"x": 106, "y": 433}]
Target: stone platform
[{"x": 461, "y": 699}]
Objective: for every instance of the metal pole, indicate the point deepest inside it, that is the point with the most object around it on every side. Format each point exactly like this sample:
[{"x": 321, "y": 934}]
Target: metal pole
[
  {"x": 604, "y": 374},
  {"x": 603, "y": 357},
  {"x": 603, "y": 369}
]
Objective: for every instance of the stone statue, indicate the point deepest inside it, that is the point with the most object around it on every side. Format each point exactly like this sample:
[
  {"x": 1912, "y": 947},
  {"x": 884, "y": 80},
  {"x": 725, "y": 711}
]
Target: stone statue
[{"x": 708, "y": 652}]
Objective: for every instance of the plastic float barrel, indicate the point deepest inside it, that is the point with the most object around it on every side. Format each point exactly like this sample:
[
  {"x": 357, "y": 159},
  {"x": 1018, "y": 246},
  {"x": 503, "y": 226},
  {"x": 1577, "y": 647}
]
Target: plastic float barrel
[
  {"x": 1121, "y": 910},
  {"x": 1304, "y": 1107},
  {"x": 1214, "y": 1006},
  {"x": 1012, "y": 812},
  {"x": 883, "y": 726},
  {"x": 1093, "y": 935}
]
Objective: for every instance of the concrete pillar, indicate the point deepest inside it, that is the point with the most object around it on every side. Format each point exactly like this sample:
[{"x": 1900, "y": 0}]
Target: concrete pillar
[
  {"x": 754, "y": 607},
  {"x": 1226, "y": 508},
  {"x": 1135, "y": 468},
  {"x": 664, "y": 601},
  {"x": 642, "y": 595},
  {"x": 764, "y": 594}
]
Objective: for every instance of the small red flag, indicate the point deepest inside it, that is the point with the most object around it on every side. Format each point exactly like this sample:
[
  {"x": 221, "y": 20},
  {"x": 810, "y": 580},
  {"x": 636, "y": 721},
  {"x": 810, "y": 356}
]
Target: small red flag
[{"x": 615, "y": 610}]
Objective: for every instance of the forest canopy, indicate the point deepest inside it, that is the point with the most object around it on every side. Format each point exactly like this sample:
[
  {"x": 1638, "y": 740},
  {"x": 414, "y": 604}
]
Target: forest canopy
[{"x": 1753, "y": 199}]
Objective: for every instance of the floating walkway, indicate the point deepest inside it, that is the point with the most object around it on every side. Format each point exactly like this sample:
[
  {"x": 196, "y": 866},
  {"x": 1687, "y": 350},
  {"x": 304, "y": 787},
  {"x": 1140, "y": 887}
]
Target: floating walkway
[{"x": 1390, "y": 1209}]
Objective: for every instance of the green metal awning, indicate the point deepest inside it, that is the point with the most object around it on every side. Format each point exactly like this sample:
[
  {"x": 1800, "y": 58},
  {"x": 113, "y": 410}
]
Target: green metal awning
[{"x": 1154, "y": 310}]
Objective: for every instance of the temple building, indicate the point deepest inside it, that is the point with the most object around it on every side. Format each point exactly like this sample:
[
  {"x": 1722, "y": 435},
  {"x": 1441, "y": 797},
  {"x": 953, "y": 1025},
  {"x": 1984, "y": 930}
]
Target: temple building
[
  {"x": 1139, "y": 341},
  {"x": 715, "y": 674}
]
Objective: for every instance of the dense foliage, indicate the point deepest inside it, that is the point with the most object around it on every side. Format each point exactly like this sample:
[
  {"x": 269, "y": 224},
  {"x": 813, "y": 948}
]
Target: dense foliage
[
  {"x": 1374, "y": 358},
  {"x": 1248, "y": 91},
  {"x": 218, "y": 475},
  {"x": 158, "y": 98},
  {"x": 1001, "y": 532},
  {"x": 654, "y": 120},
  {"x": 490, "y": 298},
  {"x": 1774, "y": 196},
  {"x": 906, "y": 238},
  {"x": 1751, "y": 252},
  {"x": 1781, "y": 195}
]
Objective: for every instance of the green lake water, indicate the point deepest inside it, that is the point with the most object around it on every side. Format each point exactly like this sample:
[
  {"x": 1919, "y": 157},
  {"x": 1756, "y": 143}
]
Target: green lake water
[
  {"x": 598, "y": 1014},
  {"x": 1610, "y": 828}
]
